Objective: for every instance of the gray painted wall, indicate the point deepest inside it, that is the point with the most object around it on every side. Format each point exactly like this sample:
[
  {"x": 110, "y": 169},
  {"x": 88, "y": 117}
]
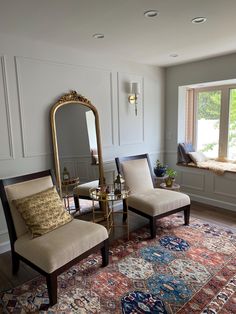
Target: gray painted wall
[
  {"x": 202, "y": 185},
  {"x": 33, "y": 75}
]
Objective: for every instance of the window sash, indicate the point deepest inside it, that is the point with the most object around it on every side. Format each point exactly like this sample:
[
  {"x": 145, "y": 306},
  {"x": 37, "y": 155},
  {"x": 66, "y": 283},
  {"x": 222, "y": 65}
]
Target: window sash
[{"x": 191, "y": 116}]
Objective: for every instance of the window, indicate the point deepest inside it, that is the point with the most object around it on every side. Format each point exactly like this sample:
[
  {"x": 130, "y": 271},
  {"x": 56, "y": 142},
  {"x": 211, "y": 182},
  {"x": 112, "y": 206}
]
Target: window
[{"x": 211, "y": 120}]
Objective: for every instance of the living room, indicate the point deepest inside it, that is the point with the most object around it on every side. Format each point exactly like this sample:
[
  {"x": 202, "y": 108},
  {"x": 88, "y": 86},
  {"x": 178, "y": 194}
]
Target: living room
[{"x": 48, "y": 49}]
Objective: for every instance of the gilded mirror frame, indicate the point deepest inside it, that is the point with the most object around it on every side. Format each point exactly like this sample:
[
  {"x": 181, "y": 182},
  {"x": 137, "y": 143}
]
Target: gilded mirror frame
[{"x": 74, "y": 98}]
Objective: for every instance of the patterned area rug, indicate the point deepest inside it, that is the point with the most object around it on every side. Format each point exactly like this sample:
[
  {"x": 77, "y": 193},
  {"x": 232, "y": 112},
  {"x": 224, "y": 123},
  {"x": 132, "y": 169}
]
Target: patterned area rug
[{"x": 186, "y": 269}]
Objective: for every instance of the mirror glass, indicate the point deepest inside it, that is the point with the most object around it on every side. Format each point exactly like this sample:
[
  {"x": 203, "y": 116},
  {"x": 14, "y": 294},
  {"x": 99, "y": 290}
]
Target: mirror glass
[{"x": 76, "y": 140}]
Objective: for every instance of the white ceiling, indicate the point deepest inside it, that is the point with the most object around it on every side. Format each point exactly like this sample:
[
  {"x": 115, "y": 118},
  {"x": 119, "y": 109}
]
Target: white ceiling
[{"x": 128, "y": 34}]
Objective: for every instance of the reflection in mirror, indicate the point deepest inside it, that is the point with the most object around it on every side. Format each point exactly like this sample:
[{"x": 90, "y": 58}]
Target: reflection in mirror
[
  {"x": 76, "y": 141},
  {"x": 90, "y": 121}
]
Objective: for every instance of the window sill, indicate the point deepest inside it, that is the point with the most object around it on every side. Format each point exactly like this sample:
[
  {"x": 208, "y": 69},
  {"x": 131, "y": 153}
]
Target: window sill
[{"x": 218, "y": 167}]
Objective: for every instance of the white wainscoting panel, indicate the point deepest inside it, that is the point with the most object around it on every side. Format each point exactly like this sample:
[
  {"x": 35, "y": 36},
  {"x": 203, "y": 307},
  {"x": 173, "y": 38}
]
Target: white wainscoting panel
[
  {"x": 131, "y": 127},
  {"x": 110, "y": 171},
  {"x": 80, "y": 166},
  {"x": 4, "y": 241},
  {"x": 6, "y": 142},
  {"x": 47, "y": 81},
  {"x": 225, "y": 186},
  {"x": 192, "y": 180}
]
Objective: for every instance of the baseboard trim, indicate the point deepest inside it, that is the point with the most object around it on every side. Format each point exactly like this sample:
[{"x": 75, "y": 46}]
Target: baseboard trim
[
  {"x": 213, "y": 202},
  {"x": 4, "y": 247}
]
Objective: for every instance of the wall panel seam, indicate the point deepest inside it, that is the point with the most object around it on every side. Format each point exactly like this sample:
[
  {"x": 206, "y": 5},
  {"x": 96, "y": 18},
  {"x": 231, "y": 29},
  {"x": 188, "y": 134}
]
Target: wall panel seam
[{"x": 8, "y": 111}]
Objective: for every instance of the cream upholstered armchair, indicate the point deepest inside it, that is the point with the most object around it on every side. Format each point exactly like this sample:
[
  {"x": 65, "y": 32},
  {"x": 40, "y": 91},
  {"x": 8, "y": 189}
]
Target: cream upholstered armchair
[
  {"x": 67, "y": 242},
  {"x": 82, "y": 191},
  {"x": 144, "y": 199}
]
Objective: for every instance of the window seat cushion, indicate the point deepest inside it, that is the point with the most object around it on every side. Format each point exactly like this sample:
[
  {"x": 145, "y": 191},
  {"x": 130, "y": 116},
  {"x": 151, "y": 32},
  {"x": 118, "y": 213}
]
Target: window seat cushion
[{"x": 218, "y": 167}]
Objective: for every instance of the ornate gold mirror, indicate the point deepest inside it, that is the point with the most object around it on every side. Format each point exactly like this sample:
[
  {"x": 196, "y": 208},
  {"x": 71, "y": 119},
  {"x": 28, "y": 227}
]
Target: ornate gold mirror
[{"x": 76, "y": 139}]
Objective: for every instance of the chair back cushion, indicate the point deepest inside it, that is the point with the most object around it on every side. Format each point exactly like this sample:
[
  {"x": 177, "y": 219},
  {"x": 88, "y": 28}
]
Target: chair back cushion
[
  {"x": 137, "y": 175},
  {"x": 23, "y": 189}
]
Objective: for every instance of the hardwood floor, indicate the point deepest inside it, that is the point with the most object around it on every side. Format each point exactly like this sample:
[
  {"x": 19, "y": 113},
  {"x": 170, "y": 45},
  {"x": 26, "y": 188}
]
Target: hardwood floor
[
  {"x": 205, "y": 212},
  {"x": 215, "y": 215}
]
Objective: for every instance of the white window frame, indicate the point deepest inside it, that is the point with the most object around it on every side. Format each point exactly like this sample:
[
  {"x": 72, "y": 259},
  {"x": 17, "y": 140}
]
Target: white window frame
[{"x": 224, "y": 116}]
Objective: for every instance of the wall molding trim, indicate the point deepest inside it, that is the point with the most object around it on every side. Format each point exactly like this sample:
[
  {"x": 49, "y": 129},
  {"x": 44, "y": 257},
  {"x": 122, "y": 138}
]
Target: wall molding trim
[
  {"x": 20, "y": 93},
  {"x": 143, "y": 126},
  {"x": 213, "y": 202},
  {"x": 112, "y": 114},
  {"x": 22, "y": 122},
  {"x": 7, "y": 108},
  {"x": 141, "y": 105}
]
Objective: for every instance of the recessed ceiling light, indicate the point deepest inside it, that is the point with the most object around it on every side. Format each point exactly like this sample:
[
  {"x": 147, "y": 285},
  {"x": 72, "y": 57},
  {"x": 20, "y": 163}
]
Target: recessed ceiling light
[
  {"x": 98, "y": 36},
  {"x": 199, "y": 20},
  {"x": 174, "y": 55},
  {"x": 151, "y": 13}
]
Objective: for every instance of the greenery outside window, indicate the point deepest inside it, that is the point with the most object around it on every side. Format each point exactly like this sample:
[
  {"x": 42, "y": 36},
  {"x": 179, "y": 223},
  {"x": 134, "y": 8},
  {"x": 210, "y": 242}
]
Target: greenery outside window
[{"x": 211, "y": 121}]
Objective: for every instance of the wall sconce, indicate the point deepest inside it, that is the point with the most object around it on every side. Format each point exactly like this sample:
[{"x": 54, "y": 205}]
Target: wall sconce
[{"x": 134, "y": 91}]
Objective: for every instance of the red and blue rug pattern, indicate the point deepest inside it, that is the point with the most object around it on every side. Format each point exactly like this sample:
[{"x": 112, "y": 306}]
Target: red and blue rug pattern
[{"x": 186, "y": 269}]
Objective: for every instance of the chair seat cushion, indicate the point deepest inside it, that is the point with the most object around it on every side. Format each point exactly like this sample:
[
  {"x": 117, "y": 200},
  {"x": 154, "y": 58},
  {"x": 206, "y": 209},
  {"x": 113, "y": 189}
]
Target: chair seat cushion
[
  {"x": 58, "y": 247},
  {"x": 83, "y": 189},
  {"x": 158, "y": 201}
]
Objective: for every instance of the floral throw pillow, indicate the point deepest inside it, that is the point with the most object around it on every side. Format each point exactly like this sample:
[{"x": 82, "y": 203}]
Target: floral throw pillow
[{"x": 42, "y": 212}]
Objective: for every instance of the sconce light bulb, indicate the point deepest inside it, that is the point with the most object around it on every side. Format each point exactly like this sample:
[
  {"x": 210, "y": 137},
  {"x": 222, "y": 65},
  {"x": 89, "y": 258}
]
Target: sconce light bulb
[{"x": 133, "y": 100}]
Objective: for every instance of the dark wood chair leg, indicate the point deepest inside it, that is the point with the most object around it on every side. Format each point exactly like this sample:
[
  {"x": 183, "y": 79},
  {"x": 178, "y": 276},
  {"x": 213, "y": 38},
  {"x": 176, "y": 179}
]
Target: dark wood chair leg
[
  {"x": 153, "y": 228},
  {"x": 76, "y": 201},
  {"x": 125, "y": 209},
  {"x": 15, "y": 263},
  {"x": 186, "y": 215},
  {"x": 52, "y": 288},
  {"x": 105, "y": 253}
]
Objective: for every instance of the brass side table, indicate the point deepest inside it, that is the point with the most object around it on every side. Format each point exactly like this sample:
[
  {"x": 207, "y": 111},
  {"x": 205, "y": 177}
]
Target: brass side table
[
  {"x": 159, "y": 180},
  {"x": 174, "y": 187},
  {"x": 107, "y": 196}
]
